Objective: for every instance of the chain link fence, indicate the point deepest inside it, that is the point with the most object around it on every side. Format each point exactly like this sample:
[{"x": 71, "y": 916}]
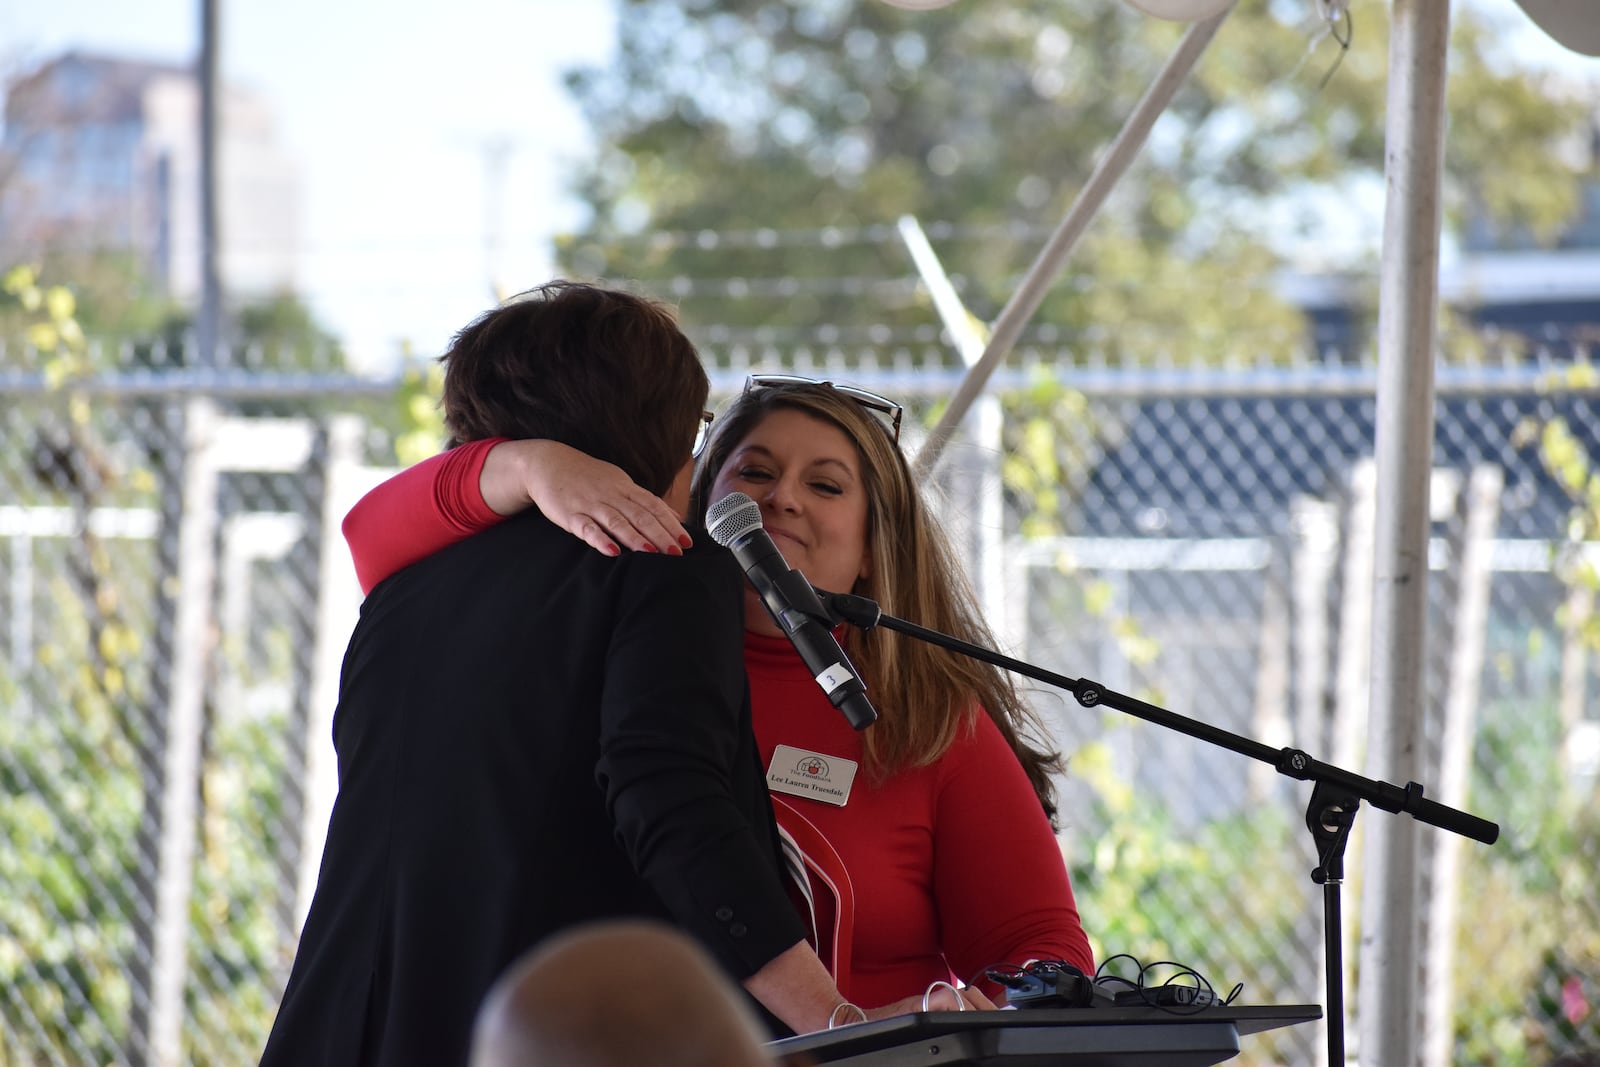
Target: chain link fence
[{"x": 176, "y": 598}]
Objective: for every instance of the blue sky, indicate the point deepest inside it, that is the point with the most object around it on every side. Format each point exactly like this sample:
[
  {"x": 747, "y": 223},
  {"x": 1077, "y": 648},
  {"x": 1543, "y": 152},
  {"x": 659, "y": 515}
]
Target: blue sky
[{"x": 389, "y": 108}]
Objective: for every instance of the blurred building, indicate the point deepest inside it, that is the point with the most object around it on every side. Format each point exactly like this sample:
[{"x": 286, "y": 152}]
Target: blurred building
[
  {"x": 1544, "y": 289},
  {"x": 103, "y": 154}
]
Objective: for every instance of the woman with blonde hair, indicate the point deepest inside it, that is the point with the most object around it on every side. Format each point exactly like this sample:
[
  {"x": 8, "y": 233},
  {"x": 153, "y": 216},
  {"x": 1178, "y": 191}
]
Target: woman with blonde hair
[{"x": 924, "y": 694}]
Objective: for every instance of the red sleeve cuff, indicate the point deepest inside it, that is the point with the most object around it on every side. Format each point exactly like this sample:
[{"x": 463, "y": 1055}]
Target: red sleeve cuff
[{"x": 456, "y": 491}]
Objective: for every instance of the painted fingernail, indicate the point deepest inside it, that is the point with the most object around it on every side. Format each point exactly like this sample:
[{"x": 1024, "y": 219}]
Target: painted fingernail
[
  {"x": 674, "y": 550},
  {"x": 647, "y": 547},
  {"x": 612, "y": 550},
  {"x": 686, "y": 541}
]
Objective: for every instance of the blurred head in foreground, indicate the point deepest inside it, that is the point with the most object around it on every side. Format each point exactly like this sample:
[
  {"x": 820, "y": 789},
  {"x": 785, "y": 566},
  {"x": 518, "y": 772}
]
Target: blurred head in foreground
[{"x": 617, "y": 994}]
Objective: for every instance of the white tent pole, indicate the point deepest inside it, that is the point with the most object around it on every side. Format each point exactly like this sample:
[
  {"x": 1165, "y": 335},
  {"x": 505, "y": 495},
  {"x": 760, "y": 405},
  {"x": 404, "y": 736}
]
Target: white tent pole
[
  {"x": 985, "y": 524},
  {"x": 1387, "y": 1002},
  {"x": 1042, "y": 274}
]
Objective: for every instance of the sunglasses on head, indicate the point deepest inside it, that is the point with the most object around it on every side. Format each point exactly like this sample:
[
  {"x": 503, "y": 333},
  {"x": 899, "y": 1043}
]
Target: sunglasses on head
[{"x": 871, "y": 401}]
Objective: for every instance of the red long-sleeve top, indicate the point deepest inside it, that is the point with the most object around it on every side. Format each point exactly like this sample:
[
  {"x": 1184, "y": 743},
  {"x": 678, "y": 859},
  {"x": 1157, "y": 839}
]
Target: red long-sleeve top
[{"x": 954, "y": 866}]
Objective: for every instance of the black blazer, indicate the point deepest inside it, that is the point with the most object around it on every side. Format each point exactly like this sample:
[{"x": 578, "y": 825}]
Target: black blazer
[{"x": 530, "y": 736}]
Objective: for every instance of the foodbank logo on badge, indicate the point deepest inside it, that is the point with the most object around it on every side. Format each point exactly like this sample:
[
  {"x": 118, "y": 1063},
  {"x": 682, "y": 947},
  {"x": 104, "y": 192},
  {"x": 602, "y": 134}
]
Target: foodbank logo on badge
[{"x": 813, "y": 767}]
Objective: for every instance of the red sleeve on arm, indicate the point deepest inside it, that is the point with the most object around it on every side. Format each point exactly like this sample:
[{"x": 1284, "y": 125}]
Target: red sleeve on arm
[
  {"x": 417, "y": 512},
  {"x": 1001, "y": 880}
]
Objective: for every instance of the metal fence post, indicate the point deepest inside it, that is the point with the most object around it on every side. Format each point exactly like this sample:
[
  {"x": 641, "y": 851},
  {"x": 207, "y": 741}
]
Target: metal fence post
[
  {"x": 1479, "y": 508},
  {"x": 173, "y": 774},
  {"x": 338, "y": 603}
]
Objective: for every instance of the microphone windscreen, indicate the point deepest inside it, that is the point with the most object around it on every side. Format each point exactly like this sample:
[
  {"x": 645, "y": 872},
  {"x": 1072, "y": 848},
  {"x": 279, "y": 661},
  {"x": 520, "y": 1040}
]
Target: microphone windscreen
[{"x": 731, "y": 518}]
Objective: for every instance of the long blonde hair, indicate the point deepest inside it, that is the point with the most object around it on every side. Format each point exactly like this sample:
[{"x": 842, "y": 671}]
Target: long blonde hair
[{"x": 925, "y": 695}]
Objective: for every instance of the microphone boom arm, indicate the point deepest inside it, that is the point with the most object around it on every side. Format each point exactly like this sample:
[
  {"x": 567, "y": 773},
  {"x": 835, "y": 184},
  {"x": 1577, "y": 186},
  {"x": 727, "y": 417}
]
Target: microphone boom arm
[
  {"x": 1335, "y": 797},
  {"x": 865, "y": 614}
]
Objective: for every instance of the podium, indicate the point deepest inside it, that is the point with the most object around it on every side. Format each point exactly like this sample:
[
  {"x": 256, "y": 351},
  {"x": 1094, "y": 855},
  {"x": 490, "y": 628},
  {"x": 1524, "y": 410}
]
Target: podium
[{"x": 1036, "y": 1037}]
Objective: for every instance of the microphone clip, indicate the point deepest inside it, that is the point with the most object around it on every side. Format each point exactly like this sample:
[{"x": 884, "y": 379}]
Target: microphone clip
[
  {"x": 858, "y": 611},
  {"x": 801, "y": 601}
]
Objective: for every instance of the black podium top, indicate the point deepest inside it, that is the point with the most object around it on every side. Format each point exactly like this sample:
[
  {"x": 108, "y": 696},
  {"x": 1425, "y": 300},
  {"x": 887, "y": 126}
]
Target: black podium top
[{"x": 1035, "y": 1037}]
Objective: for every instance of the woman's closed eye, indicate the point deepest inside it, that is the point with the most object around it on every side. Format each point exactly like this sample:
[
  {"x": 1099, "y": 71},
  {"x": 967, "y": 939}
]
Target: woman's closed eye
[{"x": 762, "y": 475}]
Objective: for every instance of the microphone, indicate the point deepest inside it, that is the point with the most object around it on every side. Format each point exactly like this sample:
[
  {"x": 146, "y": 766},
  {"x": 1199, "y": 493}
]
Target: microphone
[{"x": 734, "y": 522}]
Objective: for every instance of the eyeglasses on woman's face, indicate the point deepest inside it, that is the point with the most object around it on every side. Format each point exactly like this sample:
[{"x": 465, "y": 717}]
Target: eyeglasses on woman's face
[
  {"x": 702, "y": 433},
  {"x": 882, "y": 405}
]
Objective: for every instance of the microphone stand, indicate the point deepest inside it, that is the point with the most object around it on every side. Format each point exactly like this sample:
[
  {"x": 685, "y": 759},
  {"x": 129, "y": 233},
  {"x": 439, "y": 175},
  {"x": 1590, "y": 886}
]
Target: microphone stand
[{"x": 1335, "y": 796}]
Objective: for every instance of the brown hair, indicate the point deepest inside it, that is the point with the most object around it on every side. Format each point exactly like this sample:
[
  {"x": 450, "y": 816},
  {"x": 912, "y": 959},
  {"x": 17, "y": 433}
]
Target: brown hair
[
  {"x": 924, "y": 695},
  {"x": 604, "y": 371}
]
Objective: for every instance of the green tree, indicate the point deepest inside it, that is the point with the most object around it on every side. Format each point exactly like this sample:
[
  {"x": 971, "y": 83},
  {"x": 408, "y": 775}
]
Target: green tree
[
  {"x": 755, "y": 154},
  {"x": 124, "y": 317},
  {"x": 112, "y": 296},
  {"x": 66, "y": 843}
]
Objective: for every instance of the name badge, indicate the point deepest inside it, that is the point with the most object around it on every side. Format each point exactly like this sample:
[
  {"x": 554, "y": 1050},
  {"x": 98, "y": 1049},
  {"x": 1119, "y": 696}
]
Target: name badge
[{"x": 811, "y": 774}]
